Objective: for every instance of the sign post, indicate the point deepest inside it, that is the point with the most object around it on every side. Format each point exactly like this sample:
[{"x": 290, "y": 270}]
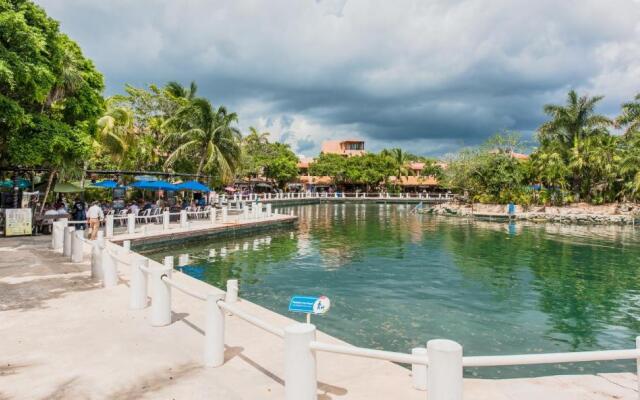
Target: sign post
[
  {"x": 17, "y": 221},
  {"x": 309, "y": 305}
]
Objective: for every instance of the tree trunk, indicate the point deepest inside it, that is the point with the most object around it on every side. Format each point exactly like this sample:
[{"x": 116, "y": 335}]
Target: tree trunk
[{"x": 46, "y": 192}]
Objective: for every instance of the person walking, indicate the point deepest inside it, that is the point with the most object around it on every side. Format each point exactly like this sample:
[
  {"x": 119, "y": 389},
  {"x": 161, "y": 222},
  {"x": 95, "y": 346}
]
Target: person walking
[
  {"x": 95, "y": 215},
  {"x": 78, "y": 212}
]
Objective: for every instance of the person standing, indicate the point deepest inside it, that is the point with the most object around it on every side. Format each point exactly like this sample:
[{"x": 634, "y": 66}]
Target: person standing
[
  {"x": 95, "y": 215},
  {"x": 78, "y": 212}
]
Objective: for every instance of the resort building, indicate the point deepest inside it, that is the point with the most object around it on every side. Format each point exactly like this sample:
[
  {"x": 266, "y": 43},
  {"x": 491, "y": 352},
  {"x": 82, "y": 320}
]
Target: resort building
[{"x": 351, "y": 147}]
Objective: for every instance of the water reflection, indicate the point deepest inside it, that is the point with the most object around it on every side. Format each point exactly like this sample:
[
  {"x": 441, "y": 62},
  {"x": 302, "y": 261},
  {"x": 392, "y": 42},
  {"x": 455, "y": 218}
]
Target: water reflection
[{"x": 398, "y": 279}]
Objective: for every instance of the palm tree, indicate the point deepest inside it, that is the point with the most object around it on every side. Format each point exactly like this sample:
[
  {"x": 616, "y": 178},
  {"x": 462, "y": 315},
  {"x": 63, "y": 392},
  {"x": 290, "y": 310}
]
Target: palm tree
[
  {"x": 255, "y": 137},
  {"x": 177, "y": 90},
  {"x": 207, "y": 134},
  {"x": 571, "y": 124},
  {"x": 400, "y": 160},
  {"x": 116, "y": 130},
  {"x": 630, "y": 117}
]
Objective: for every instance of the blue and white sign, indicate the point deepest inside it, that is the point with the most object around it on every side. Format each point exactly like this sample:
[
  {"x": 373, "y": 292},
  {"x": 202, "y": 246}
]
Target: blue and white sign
[{"x": 310, "y": 304}]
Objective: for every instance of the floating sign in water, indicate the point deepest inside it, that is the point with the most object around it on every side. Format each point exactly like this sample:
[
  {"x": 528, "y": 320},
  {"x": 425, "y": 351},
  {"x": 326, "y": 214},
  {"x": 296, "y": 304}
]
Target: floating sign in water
[{"x": 310, "y": 304}]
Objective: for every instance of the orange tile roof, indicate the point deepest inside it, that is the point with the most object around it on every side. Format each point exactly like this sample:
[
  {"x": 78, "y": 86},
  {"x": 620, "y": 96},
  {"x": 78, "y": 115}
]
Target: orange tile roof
[
  {"x": 416, "y": 166},
  {"x": 416, "y": 181},
  {"x": 315, "y": 180}
]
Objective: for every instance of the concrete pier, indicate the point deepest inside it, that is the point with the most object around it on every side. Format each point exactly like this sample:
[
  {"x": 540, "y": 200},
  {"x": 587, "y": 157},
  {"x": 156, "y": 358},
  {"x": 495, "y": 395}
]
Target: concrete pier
[{"x": 66, "y": 337}]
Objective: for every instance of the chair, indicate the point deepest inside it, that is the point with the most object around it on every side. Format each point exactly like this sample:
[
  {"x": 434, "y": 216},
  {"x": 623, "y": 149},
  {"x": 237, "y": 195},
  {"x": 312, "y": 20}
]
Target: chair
[
  {"x": 146, "y": 214},
  {"x": 123, "y": 216}
]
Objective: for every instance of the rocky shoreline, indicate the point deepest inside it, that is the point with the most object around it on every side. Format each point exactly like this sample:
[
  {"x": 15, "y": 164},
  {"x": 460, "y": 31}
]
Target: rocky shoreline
[{"x": 580, "y": 213}]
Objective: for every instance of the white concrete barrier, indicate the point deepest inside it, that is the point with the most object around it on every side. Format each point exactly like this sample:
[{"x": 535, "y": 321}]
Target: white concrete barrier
[
  {"x": 212, "y": 215},
  {"x": 126, "y": 245},
  {"x": 165, "y": 220},
  {"x": 57, "y": 234},
  {"x": 232, "y": 291},
  {"x": 66, "y": 247},
  {"x": 300, "y": 375},
  {"x": 96, "y": 260},
  {"x": 77, "y": 246},
  {"x": 138, "y": 299},
  {"x": 214, "y": 332},
  {"x": 183, "y": 218},
  {"x": 161, "y": 299},
  {"x": 419, "y": 371},
  {"x": 131, "y": 224},
  {"x": 444, "y": 375},
  {"x": 225, "y": 214},
  {"x": 109, "y": 269},
  {"x": 108, "y": 226}
]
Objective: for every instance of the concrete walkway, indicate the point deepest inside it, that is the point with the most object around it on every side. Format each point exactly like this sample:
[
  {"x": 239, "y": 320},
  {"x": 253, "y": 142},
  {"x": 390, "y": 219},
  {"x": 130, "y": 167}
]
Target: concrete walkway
[{"x": 65, "y": 337}]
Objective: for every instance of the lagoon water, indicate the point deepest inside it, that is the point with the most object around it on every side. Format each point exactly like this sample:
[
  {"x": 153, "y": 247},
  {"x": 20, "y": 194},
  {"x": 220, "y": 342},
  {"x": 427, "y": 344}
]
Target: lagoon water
[{"x": 396, "y": 280}]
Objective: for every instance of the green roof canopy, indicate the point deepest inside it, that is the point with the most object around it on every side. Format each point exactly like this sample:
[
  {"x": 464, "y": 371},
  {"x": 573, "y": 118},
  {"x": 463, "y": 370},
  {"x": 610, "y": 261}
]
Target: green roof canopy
[{"x": 66, "y": 187}]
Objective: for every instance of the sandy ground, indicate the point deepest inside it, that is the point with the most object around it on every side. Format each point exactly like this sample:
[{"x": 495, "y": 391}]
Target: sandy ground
[{"x": 65, "y": 337}]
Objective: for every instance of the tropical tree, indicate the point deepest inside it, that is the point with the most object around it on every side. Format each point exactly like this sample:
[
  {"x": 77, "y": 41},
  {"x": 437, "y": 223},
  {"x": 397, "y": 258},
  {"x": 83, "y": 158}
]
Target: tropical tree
[
  {"x": 198, "y": 130},
  {"x": 630, "y": 117}
]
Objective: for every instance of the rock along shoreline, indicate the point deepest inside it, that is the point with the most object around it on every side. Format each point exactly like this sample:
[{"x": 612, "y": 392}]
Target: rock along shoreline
[{"x": 579, "y": 213}]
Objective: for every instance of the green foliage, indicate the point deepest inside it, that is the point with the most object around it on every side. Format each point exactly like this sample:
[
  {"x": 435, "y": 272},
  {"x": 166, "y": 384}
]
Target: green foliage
[{"x": 51, "y": 94}]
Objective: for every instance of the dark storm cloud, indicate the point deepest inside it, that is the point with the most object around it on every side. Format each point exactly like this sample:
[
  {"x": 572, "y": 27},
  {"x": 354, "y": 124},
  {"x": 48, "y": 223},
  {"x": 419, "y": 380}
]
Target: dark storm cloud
[{"x": 432, "y": 75}]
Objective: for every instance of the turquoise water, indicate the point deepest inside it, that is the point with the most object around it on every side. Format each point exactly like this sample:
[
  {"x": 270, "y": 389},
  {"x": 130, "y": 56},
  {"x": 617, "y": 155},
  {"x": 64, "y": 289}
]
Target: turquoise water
[{"x": 398, "y": 279}]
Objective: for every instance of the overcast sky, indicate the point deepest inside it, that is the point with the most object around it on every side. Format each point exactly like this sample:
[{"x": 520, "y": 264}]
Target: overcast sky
[{"x": 427, "y": 75}]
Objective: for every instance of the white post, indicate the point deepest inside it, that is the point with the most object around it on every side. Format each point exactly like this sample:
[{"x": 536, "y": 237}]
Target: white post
[
  {"x": 269, "y": 214},
  {"x": 214, "y": 332},
  {"x": 212, "y": 215},
  {"x": 108, "y": 225},
  {"x": 444, "y": 375},
  {"x": 232, "y": 291},
  {"x": 77, "y": 247},
  {"x": 165, "y": 220},
  {"x": 96, "y": 260},
  {"x": 161, "y": 300},
  {"x": 183, "y": 218},
  {"x": 183, "y": 259},
  {"x": 109, "y": 269},
  {"x": 138, "y": 299},
  {"x": 245, "y": 213},
  {"x": 126, "y": 245},
  {"x": 131, "y": 224},
  {"x": 300, "y": 380},
  {"x": 57, "y": 235},
  {"x": 66, "y": 248},
  {"x": 419, "y": 371},
  {"x": 224, "y": 215}
]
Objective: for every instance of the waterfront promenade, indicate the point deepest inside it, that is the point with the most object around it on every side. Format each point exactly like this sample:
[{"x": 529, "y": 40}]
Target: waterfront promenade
[{"x": 64, "y": 336}]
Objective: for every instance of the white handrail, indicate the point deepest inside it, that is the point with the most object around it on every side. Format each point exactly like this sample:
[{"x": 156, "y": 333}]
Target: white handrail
[
  {"x": 550, "y": 358},
  {"x": 183, "y": 289},
  {"x": 251, "y": 319},
  {"x": 369, "y": 353}
]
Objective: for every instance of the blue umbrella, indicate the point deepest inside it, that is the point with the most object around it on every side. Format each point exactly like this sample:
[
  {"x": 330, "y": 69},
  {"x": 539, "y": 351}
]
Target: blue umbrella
[
  {"x": 153, "y": 185},
  {"x": 106, "y": 184},
  {"x": 193, "y": 185}
]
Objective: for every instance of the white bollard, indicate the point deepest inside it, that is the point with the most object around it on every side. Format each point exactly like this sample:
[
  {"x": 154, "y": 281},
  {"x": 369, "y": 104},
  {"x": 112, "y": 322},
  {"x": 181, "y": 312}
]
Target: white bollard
[
  {"x": 77, "y": 247},
  {"x": 165, "y": 220},
  {"x": 57, "y": 235},
  {"x": 300, "y": 376},
  {"x": 66, "y": 248},
  {"x": 126, "y": 245},
  {"x": 225, "y": 213},
  {"x": 232, "y": 291},
  {"x": 183, "y": 259},
  {"x": 131, "y": 224},
  {"x": 212, "y": 215},
  {"x": 138, "y": 283},
  {"x": 419, "y": 371},
  {"x": 183, "y": 218},
  {"x": 161, "y": 300},
  {"x": 444, "y": 375},
  {"x": 214, "y": 332},
  {"x": 168, "y": 262},
  {"x": 108, "y": 225},
  {"x": 96, "y": 260},
  {"x": 109, "y": 269}
]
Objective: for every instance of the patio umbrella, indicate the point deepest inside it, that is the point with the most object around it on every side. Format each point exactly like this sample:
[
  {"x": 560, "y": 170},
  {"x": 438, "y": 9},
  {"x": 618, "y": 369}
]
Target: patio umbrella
[
  {"x": 66, "y": 187},
  {"x": 194, "y": 186},
  {"x": 22, "y": 183},
  {"x": 106, "y": 184},
  {"x": 154, "y": 185}
]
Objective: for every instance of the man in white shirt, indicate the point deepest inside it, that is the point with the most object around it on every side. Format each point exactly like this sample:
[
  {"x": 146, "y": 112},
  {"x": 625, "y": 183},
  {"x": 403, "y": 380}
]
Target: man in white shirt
[{"x": 94, "y": 215}]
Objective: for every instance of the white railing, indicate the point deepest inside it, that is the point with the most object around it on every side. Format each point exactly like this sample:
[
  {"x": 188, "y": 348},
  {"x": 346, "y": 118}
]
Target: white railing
[{"x": 437, "y": 368}]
